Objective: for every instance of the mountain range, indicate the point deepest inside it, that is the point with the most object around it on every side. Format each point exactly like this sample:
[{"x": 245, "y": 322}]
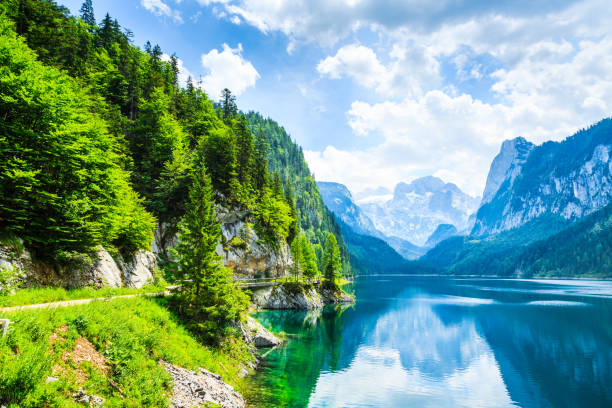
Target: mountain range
[
  {"x": 416, "y": 209},
  {"x": 546, "y": 211}
]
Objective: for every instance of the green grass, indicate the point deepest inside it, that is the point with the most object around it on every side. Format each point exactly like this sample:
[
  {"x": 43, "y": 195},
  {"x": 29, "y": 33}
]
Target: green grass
[
  {"x": 133, "y": 335},
  {"x": 31, "y": 296}
]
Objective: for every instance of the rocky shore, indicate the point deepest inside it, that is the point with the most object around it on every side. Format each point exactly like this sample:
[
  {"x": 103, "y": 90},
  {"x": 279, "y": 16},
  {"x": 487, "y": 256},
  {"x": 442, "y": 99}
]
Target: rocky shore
[{"x": 296, "y": 295}]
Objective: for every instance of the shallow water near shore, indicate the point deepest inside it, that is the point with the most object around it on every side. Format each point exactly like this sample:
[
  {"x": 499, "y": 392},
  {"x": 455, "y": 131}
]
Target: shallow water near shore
[{"x": 444, "y": 342}]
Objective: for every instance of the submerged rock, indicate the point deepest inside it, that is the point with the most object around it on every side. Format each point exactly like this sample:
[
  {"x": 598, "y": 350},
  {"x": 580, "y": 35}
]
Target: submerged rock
[{"x": 193, "y": 389}]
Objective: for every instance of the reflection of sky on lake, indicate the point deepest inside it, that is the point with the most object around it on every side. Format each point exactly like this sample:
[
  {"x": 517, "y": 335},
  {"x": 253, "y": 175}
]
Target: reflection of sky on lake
[{"x": 413, "y": 358}]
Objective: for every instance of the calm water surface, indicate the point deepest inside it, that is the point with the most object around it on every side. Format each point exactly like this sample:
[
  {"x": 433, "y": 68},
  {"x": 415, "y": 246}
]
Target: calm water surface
[{"x": 437, "y": 342}]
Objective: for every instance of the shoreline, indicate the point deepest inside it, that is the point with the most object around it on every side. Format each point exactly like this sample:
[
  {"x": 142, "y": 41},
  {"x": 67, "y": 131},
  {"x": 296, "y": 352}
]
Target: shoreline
[{"x": 492, "y": 277}]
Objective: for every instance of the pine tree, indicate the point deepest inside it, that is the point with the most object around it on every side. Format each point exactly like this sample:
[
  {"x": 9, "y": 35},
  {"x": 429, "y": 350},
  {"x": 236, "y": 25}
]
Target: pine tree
[
  {"x": 228, "y": 106},
  {"x": 297, "y": 256},
  {"x": 211, "y": 297},
  {"x": 309, "y": 262},
  {"x": 331, "y": 260},
  {"x": 87, "y": 14},
  {"x": 245, "y": 148},
  {"x": 261, "y": 178},
  {"x": 293, "y": 227}
]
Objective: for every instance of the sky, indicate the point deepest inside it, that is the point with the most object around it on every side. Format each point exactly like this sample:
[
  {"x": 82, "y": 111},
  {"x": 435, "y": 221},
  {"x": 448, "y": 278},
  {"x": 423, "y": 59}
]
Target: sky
[{"x": 383, "y": 91}]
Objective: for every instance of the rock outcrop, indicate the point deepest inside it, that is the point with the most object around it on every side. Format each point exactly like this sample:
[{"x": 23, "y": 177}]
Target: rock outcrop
[
  {"x": 240, "y": 246},
  {"x": 193, "y": 389},
  {"x": 138, "y": 269},
  {"x": 256, "y": 335},
  {"x": 245, "y": 252},
  {"x": 292, "y": 295},
  {"x": 100, "y": 270},
  {"x": 506, "y": 165}
]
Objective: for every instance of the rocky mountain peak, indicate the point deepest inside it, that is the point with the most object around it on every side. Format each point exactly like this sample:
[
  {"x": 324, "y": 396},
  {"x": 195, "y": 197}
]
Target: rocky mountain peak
[
  {"x": 506, "y": 165},
  {"x": 417, "y": 208}
]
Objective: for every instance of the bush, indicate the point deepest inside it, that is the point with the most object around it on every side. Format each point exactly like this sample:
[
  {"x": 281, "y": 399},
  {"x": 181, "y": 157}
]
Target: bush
[{"x": 11, "y": 278}]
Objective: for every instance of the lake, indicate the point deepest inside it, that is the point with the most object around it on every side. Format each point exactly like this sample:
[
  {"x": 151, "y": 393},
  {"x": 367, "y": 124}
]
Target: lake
[{"x": 441, "y": 342}]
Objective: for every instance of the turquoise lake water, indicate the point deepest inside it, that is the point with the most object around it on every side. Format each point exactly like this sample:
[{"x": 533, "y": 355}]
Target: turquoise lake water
[{"x": 441, "y": 342}]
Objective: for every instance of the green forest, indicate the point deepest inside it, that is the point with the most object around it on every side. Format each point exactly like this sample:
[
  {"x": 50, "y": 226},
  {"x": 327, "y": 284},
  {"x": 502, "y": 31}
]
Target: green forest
[{"x": 100, "y": 143}]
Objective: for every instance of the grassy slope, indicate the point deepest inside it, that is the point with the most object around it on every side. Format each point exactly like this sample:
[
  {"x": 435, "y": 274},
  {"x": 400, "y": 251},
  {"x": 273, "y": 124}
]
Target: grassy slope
[{"x": 132, "y": 334}]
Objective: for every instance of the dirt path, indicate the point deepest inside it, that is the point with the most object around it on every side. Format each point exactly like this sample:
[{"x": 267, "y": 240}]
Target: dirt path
[{"x": 64, "y": 303}]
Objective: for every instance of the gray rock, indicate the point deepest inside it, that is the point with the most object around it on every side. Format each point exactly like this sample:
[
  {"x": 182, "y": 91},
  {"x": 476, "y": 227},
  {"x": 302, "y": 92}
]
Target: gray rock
[
  {"x": 240, "y": 246},
  {"x": 51, "y": 379},
  {"x": 138, "y": 270},
  {"x": 92, "y": 400},
  {"x": 254, "y": 333},
  {"x": 294, "y": 296},
  {"x": 287, "y": 297},
  {"x": 104, "y": 271},
  {"x": 191, "y": 389}
]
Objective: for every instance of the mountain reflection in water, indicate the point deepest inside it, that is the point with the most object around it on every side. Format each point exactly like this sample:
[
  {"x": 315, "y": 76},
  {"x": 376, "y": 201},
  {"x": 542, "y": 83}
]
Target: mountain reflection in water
[{"x": 442, "y": 342}]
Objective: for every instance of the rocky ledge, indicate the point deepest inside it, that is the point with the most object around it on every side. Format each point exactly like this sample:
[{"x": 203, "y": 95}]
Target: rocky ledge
[{"x": 294, "y": 295}]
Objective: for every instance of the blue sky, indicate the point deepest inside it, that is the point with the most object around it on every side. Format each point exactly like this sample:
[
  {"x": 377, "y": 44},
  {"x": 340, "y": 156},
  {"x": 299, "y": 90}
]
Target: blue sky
[{"x": 382, "y": 91}]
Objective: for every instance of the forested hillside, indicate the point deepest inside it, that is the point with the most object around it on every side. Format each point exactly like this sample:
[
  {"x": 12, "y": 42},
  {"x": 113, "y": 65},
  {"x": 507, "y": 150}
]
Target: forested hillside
[
  {"x": 100, "y": 143},
  {"x": 286, "y": 159},
  {"x": 543, "y": 247}
]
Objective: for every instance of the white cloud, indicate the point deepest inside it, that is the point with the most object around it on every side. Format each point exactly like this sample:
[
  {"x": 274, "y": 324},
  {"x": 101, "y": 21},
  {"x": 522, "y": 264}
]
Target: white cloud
[
  {"x": 328, "y": 21},
  {"x": 554, "y": 77},
  {"x": 411, "y": 69},
  {"x": 227, "y": 69},
  {"x": 161, "y": 9},
  {"x": 456, "y": 137}
]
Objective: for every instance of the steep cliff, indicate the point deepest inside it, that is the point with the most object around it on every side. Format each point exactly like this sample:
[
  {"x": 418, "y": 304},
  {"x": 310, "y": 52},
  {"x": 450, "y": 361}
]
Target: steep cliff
[{"x": 570, "y": 179}]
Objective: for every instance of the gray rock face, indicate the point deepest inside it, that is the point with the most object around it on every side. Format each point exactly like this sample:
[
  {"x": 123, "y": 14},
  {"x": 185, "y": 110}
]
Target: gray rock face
[
  {"x": 281, "y": 297},
  {"x": 104, "y": 271},
  {"x": 138, "y": 270},
  {"x": 293, "y": 296},
  {"x": 243, "y": 251},
  {"x": 240, "y": 246},
  {"x": 506, "y": 165},
  {"x": 12, "y": 258},
  {"x": 195, "y": 389},
  {"x": 416, "y": 209},
  {"x": 569, "y": 179},
  {"x": 254, "y": 333}
]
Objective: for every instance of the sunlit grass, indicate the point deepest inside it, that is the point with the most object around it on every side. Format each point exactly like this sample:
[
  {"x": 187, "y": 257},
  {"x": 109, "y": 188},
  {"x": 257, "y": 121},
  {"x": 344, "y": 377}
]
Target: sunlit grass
[
  {"x": 30, "y": 296},
  {"x": 133, "y": 335}
]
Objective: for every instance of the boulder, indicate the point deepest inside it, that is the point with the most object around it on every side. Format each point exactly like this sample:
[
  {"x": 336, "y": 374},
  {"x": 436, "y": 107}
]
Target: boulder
[{"x": 254, "y": 333}]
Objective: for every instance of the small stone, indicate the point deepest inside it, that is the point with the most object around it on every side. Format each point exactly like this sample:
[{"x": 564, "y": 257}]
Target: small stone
[
  {"x": 243, "y": 373},
  {"x": 51, "y": 379},
  {"x": 81, "y": 396},
  {"x": 97, "y": 401}
]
